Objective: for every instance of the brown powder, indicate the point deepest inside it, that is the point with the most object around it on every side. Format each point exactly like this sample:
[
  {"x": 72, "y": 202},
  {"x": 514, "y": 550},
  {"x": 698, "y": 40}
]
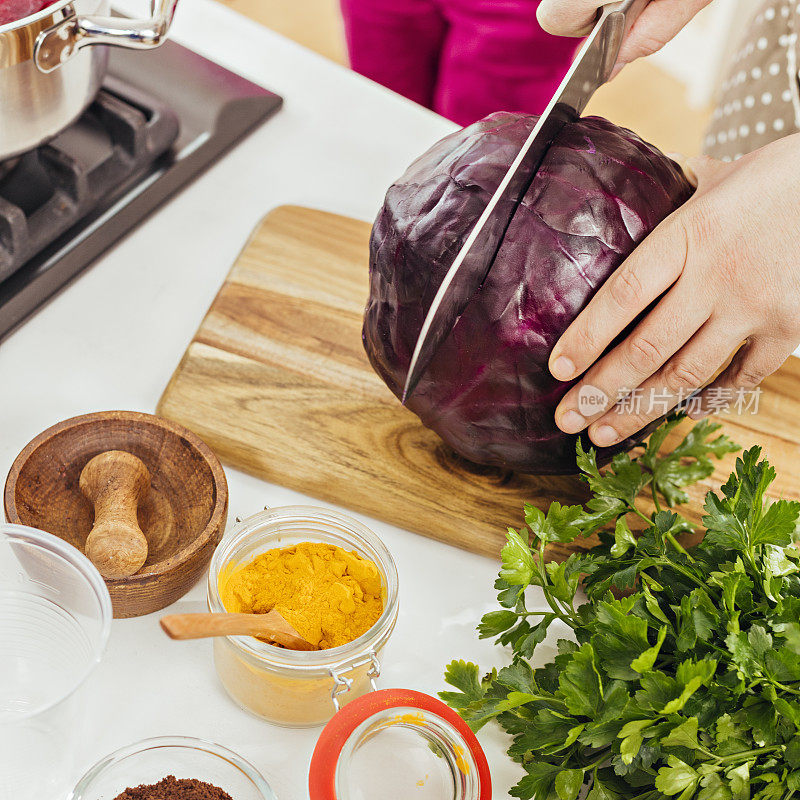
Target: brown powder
[{"x": 172, "y": 788}]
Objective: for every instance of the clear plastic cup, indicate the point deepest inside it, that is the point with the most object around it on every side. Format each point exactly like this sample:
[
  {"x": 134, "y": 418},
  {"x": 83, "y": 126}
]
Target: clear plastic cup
[{"x": 55, "y": 617}]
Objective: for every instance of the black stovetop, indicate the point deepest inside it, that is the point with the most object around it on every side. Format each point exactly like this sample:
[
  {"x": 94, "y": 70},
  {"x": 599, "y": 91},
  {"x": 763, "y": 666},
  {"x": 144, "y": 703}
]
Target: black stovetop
[{"x": 66, "y": 202}]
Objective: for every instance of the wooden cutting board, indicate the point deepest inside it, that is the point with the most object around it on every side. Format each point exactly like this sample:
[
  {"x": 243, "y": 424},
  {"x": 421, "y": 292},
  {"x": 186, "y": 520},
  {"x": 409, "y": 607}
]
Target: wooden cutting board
[{"x": 277, "y": 382}]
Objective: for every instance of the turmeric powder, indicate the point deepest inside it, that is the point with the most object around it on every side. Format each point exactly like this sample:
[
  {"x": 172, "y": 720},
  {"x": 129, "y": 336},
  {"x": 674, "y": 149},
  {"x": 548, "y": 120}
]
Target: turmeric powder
[{"x": 330, "y": 596}]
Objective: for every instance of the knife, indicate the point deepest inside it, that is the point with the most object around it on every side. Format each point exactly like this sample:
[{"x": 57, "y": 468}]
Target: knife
[{"x": 591, "y": 69}]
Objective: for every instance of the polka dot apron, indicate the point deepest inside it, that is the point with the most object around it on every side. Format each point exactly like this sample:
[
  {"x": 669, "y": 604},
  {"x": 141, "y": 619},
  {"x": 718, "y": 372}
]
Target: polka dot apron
[{"x": 759, "y": 99}]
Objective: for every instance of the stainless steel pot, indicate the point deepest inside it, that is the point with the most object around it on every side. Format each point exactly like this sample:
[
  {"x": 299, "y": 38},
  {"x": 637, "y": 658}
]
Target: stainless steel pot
[{"x": 51, "y": 66}]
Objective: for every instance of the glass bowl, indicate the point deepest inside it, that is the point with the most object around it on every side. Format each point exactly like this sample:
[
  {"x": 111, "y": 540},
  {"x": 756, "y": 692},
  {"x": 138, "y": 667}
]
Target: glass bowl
[
  {"x": 55, "y": 618},
  {"x": 151, "y": 760}
]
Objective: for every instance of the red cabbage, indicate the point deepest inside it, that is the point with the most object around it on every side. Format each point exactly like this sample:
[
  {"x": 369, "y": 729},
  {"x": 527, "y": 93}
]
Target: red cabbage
[
  {"x": 488, "y": 391},
  {"x": 12, "y": 10}
]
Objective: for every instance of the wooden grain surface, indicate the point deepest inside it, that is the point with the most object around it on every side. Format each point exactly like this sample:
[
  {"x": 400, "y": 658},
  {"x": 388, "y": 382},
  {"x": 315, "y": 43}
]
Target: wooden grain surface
[{"x": 277, "y": 383}]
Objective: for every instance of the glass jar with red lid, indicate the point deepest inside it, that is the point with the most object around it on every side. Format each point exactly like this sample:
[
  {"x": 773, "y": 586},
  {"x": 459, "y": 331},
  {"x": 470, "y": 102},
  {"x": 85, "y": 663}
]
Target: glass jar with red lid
[{"x": 377, "y": 744}]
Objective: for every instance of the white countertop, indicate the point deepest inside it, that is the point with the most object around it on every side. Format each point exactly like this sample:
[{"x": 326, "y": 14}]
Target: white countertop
[{"x": 113, "y": 338}]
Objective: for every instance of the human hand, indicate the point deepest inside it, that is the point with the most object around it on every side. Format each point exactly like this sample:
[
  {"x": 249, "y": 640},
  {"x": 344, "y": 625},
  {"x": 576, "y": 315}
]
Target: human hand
[
  {"x": 725, "y": 272},
  {"x": 658, "y": 23}
]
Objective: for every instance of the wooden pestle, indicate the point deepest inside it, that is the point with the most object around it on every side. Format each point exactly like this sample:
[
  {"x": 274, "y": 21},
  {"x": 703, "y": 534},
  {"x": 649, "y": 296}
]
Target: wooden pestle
[
  {"x": 116, "y": 482},
  {"x": 272, "y": 626}
]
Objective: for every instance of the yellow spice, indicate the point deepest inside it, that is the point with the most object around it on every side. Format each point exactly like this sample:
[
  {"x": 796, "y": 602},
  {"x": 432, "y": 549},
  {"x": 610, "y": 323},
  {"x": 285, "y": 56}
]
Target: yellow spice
[{"x": 330, "y": 596}]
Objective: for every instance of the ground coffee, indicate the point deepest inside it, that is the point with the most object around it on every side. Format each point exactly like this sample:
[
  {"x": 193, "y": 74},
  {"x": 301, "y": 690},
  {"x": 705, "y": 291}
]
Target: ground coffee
[{"x": 172, "y": 788}]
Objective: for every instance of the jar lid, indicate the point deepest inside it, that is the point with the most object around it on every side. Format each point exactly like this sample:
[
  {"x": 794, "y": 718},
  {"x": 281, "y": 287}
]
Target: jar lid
[{"x": 398, "y": 743}]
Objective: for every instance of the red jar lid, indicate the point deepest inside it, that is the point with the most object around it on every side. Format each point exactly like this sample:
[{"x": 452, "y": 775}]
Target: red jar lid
[{"x": 401, "y": 742}]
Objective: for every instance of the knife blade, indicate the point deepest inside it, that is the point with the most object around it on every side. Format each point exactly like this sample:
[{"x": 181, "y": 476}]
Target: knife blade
[{"x": 591, "y": 69}]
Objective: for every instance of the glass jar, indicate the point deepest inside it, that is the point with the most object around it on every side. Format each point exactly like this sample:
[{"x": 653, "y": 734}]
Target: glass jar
[
  {"x": 382, "y": 744},
  {"x": 290, "y": 687},
  {"x": 398, "y": 743},
  {"x": 152, "y": 760},
  {"x": 55, "y": 618}
]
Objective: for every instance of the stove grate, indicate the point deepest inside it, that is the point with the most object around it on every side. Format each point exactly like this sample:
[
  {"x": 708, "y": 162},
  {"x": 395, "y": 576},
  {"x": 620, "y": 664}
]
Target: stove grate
[
  {"x": 64, "y": 204},
  {"x": 46, "y": 191}
]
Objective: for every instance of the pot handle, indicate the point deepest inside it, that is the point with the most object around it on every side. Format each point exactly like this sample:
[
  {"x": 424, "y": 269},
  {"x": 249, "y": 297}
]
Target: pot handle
[{"x": 59, "y": 43}]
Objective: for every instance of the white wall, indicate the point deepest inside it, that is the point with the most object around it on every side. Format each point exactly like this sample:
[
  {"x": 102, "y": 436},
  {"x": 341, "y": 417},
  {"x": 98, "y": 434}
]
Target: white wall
[{"x": 697, "y": 56}]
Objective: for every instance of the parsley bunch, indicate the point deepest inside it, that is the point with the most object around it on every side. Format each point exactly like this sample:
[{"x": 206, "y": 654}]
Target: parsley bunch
[{"x": 683, "y": 677}]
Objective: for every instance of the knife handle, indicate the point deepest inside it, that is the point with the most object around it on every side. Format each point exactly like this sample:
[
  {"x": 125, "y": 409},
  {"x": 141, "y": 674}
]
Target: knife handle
[
  {"x": 631, "y": 9},
  {"x": 614, "y": 22}
]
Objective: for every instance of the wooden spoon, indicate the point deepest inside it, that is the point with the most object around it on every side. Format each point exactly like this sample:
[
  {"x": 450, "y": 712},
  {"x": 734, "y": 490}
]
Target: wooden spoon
[
  {"x": 271, "y": 626},
  {"x": 116, "y": 483}
]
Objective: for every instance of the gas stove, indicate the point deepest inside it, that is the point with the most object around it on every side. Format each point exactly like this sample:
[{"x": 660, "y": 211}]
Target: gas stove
[{"x": 160, "y": 119}]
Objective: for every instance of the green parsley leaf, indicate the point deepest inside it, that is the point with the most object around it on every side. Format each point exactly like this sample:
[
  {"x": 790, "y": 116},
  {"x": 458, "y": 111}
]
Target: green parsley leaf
[
  {"x": 466, "y": 678},
  {"x": 739, "y": 778},
  {"x": 714, "y": 788},
  {"x": 777, "y": 525},
  {"x": 646, "y": 661},
  {"x": 676, "y": 777},
  {"x": 496, "y": 622},
  {"x": 518, "y": 563},
  {"x": 619, "y": 638},
  {"x": 792, "y": 752},
  {"x": 580, "y": 684},
  {"x": 568, "y": 783},
  {"x": 744, "y": 656},
  {"x": 686, "y": 684},
  {"x": 623, "y": 539},
  {"x": 683, "y": 735},
  {"x": 606, "y": 787},
  {"x": 632, "y": 738},
  {"x": 623, "y": 480},
  {"x": 689, "y": 462},
  {"x": 538, "y": 784}
]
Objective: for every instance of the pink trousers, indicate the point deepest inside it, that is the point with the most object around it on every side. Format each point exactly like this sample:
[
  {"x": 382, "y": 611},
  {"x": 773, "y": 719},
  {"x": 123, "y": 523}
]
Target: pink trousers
[{"x": 462, "y": 58}]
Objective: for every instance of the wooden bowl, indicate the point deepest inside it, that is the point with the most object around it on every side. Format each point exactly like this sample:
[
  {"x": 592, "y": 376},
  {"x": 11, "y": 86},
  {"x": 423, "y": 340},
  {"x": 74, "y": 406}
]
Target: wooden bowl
[{"x": 183, "y": 515}]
